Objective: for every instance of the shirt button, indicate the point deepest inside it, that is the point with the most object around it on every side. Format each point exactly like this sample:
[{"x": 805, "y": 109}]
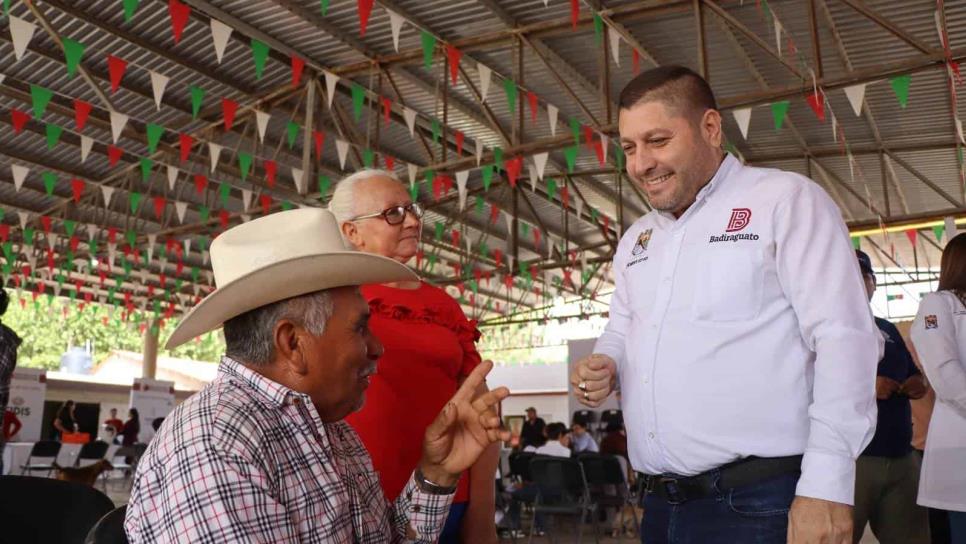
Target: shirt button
[
  {"x": 416, "y": 508},
  {"x": 650, "y": 435},
  {"x": 646, "y": 380}
]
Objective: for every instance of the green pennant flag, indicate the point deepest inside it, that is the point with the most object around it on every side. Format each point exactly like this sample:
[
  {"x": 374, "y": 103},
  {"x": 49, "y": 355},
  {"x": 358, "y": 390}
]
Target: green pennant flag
[
  {"x": 414, "y": 191},
  {"x": 575, "y": 130},
  {"x": 438, "y": 235},
  {"x": 146, "y": 165},
  {"x": 293, "y": 133},
  {"x": 474, "y": 287},
  {"x": 484, "y": 250},
  {"x": 619, "y": 157},
  {"x": 938, "y": 230},
  {"x": 73, "y": 52},
  {"x": 325, "y": 7},
  {"x": 127, "y": 267},
  {"x": 70, "y": 226},
  {"x": 430, "y": 176},
  {"x": 39, "y": 98},
  {"x": 479, "y": 202},
  {"x": 437, "y": 130},
  {"x": 778, "y": 112},
  {"x": 195, "y": 273},
  {"x": 6, "y": 8},
  {"x": 197, "y": 97},
  {"x": 92, "y": 247},
  {"x": 900, "y": 85},
  {"x": 498, "y": 157},
  {"x": 766, "y": 9},
  {"x": 368, "y": 157},
  {"x": 204, "y": 213},
  {"x": 135, "y": 200},
  {"x": 594, "y": 214},
  {"x": 131, "y": 236},
  {"x": 510, "y": 88},
  {"x": 432, "y": 261},
  {"x": 223, "y": 191},
  {"x": 154, "y": 136},
  {"x": 487, "y": 172},
  {"x": 551, "y": 187},
  {"x": 324, "y": 183},
  {"x": 358, "y": 100},
  {"x": 856, "y": 242},
  {"x": 259, "y": 55},
  {"x": 28, "y": 236},
  {"x": 8, "y": 252},
  {"x": 429, "y": 47},
  {"x": 598, "y": 28},
  {"x": 130, "y": 6},
  {"x": 53, "y": 134},
  {"x": 570, "y": 153},
  {"x": 286, "y": 205},
  {"x": 244, "y": 164},
  {"x": 524, "y": 229},
  {"x": 50, "y": 181}
]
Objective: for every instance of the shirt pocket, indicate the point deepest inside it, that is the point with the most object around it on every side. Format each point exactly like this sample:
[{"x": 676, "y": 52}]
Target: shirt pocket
[{"x": 729, "y": 285}]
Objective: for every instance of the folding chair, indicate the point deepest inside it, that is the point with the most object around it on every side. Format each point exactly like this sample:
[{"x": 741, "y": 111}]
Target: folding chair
[
  {"x": 607, "y": 479},
  {"x": 45, "y": 449},
  {"x": 134, "y": 452},
  {"x": 92, "y": 451},
  {"x": 520, "y": 465},
  {"x": 562, "y": 490}
]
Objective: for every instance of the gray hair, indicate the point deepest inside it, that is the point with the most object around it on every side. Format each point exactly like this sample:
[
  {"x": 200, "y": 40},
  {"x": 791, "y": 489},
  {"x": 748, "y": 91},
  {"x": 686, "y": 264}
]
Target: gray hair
[
  {"x": 249, "y": 336},
  {"x": 343, "y": 201}
]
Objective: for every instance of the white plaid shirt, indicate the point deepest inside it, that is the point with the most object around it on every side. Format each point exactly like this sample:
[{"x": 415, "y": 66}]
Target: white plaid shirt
[{"x": 249, "y": 460}]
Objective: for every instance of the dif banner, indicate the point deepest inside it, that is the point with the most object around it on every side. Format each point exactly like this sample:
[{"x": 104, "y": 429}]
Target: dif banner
[{"x": 28, "y": 389}]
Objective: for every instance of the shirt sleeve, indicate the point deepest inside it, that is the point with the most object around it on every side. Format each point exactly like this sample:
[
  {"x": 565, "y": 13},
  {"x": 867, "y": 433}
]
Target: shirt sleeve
[
  {"x": 418, "y": 517},
  {"x": 819, "y": 275},
  {"x": 611, "y": 342},
  {"x": 467, "y": 333},
  {"x": 911, "y": 368},
  {"x": 934, "y": 335}
]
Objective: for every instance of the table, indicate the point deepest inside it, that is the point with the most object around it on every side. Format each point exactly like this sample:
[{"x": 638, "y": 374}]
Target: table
[{"x": 15, "y": 455}]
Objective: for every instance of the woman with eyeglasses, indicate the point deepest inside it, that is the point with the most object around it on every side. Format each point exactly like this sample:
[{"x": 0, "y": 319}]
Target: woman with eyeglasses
[{"x": 429, "y": 349}]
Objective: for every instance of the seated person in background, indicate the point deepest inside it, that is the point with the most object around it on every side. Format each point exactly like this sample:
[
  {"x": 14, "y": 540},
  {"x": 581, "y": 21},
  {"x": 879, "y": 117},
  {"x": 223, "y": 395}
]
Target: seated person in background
[
  {"x": 557, "y": 442},
  {"x": 581, "y": 439},
  {"x": 262, "y": 453},
  {"x": 615, "y": 440}
]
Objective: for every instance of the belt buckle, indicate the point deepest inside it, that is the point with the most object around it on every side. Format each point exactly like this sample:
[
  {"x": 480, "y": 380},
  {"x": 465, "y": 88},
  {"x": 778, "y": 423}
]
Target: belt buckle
[{"x": 672, "y": 492}]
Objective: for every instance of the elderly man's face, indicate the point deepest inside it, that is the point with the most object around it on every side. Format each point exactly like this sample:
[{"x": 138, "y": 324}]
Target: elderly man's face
[
  {"x": 375, "y": 235},
  {"x": 342, "y": 359}
]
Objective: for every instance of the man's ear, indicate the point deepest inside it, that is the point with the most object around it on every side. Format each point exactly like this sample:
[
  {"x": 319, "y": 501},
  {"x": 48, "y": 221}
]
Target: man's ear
[
  {"x": 350, "y": 231},
  {"x": 288, "y": 347},
  {"x": 711, "y": 127}
]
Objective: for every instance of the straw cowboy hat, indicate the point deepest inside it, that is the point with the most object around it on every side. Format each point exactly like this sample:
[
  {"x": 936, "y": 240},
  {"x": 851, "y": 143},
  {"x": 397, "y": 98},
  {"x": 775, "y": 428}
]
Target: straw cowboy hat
[{"x": 276, "y": 257}]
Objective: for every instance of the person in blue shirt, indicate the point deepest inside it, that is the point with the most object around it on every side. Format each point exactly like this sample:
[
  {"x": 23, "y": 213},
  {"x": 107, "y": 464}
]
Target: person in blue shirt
[{"x": 887, "y": 472}]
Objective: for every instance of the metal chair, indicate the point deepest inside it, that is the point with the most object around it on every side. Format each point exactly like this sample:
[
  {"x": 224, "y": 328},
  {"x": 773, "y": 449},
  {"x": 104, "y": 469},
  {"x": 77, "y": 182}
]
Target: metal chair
[
  {"x": 607, "y": 479},
  {"x": 45, "y": 449},
  {"x": 520, "y": 465},
  {"x": 109, "y": 529},
  {"x": 134, "y": 452},
  {"x": 562, "y": 490},
  {"x": 587, "y": 418},
  {"x": 92, "y": 451}
]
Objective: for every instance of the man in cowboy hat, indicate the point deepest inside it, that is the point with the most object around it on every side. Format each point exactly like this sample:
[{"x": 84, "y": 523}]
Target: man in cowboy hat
[{"x": 261, "y": 453}]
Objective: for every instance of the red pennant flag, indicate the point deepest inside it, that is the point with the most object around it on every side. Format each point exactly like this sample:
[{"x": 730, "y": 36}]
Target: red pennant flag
[
  {"x": 82, "y": 111},
  {"x": 179, "y": 265},
  {"x": 19, "y": 119},
  {"x": 390, "y": 162},
  {"x": 494, "y": 213},
  {"x": 456, "y": 237},
  {"x": 588, "y": 136},
  {"x": 599, "y": 150},
  {"x": 508, "y": 281},
  {"x": 536, "y": 240},
  {"x": 459, "y": 142},
  {"x": 532, "y": 99},
  {"x": 185, "y": 141},
  {"x": 111, "y": 235},
  {"x": 228, "y": 109},
  {"x": 636, "y": 60},
  {"x": 419, "y": 258},
  {"x": 74, "y": 242},
  {"x": 446, "y": 181},
  {"x": 386, "y": 108},
  {"x": 200, "y": 183},
  {"x": 912, "y": 234},
  {"x": 437, "y": 188},
  {"x": 817, "y": 102},
  {"x": 266, "y": 203},
  {"x": 478, "y": 274},
  {"x": 365, "y": 9},
  {"x": 319, "y": 138},
  {"x": 4, "y": 232},
  {"x": 116, "y": 67},
  {"x": 159, "y": 204},
  {"x": 568, "y": 281},
  {"x": 498, "y": 257},
  {"x": 47, "y": 222},
  {"x": 513, "y": 167},
  {"x": 113, "y": 154},
  {"x": 51, "y": 261},
  {"x": 77, "y": 186},
  {"x": 565, "y": 197},
  {"x": 461, "y": 287},
  {"x": 606, "y": 222},
  {"x": 179, "y": 17},
  {"x": 574, "y": 12},
  {"x": 223, "y": 218},
  {"x": 271, "y": 168},
  {"x": 454, "y": 55},
  {"x": 298, "y": 66}
]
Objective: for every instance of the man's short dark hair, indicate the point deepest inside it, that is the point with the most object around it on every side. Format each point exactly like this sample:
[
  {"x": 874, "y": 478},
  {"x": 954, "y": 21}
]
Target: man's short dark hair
[
  {"x": 556, "y": 430},
  {"x": 678, "y": 87},
  {"x": 4, "y": 300}
]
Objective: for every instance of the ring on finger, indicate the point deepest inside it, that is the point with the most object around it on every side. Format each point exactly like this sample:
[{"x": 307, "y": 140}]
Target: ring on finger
[
  {"x": 582, "y": 386},
  {"x": 586, "y": 395}
]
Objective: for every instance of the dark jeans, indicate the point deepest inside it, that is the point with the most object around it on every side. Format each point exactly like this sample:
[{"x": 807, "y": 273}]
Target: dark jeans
[{"x": 753, "y": 514}]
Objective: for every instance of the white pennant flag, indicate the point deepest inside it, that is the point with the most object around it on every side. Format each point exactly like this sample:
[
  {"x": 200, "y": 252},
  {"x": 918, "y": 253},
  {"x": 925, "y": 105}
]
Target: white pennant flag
[
  {"x": 51, "y": 240},
  {"x": 220, "y": 34},
  {"x": 246, "y": 199},
  {"x": 395, "y": 23},
  {"x": 509, "y": 222},
  {"x": 92, "y": 231},
  {"x": 856, "y": 94},
  {"x": 540, "y": 160},
  {"x": 342, "y": 147},
  {"x": 951, "y": 228},
  {"x": 485, "y": 75},
  {"x": 2, "y": 77},
  {"x": 298, "y": 176},
  {"x": 553, "y": 112},
  {"x": 410, "y": 116},
  {"x": 24, "y": 217},
  {"x": 246, "y": 218},
  {"x": 180, "y": 208},
  {"x": 550, "y": 244},
  {"x": 835, "y": 128},
  {"x": 261, "y": 119},
  {"x": 743, "y": 118},
  {"x": 159, "y": 83},
  {"x": 111, "y": 254},
  {"x": 85, "y": 148},
  {"x": 604, "y": 144},
  {"x": 187, "y": 246},
  {"x": 107, "y": 193},
  {"x": 615, "y": 45},
  {"x": 469, "y": 244},
  {"x": 479, "y": 151},
  {"x": 959, "y": 130},
  {"x": 852, "y": 167},
  {"x": 172, "y": 177},
  {"x": 580, "y": 207},
  {"x": 118, "y": 122},
  {"x": 19, "y": 174},
  {"x": 330, "y": 81},
  {"x": 21, "y": 33},
  {"x": 532, "y": 173},
  {"x": 412, "y": 170},
  {"x": 214, "y": 151},
  {"x": 778, "y": 33},
  {"x": 461, "y": 179},
  {"x": 152, "y": 239}
]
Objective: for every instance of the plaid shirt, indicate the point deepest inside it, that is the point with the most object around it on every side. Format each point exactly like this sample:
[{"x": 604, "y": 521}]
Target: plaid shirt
[
  {"x": 249, "y": 460},
  {"x": 9, "y": 342}
]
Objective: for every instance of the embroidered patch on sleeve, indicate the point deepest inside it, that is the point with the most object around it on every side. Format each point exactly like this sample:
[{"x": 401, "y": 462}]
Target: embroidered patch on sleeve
[{"x": 931, "y": 322}]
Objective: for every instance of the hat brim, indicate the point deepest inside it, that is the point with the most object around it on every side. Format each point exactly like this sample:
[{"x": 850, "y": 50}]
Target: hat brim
[{"x": 286, "y": 279}]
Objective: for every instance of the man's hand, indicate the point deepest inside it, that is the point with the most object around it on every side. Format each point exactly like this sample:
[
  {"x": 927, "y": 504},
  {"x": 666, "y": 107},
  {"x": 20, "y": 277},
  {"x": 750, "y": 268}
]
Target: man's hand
[
  {"x": 593, "y": 379},
  {"x": 914, "y": 387},
  {"x": 463, "y": 429},
  {"x": 816, "y": 521},
  {"x": 885, "y": 387}
]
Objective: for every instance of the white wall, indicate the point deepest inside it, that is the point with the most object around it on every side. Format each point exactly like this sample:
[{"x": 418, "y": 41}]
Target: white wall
[{"x": 551, "y": 407}]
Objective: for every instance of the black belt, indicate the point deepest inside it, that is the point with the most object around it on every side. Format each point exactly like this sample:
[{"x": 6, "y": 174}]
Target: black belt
[{"x": 748, "y": 471}]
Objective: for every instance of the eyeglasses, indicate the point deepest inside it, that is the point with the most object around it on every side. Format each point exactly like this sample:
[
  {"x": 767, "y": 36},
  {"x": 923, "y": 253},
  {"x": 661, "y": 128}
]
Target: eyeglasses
[{"x": 396, "y": 214}]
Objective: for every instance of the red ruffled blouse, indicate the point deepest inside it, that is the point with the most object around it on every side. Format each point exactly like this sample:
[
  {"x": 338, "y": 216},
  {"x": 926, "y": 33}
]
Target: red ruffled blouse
[{"x": 429, "y": 346}]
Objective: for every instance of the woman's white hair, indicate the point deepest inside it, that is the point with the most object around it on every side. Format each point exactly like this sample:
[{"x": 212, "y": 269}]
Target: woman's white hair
[{"x": 343, "y": 201}]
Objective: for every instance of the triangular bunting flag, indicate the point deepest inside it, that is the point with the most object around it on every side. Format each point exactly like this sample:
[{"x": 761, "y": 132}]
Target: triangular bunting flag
[
  {"x": 453, "y": 55},
  {"x": 260, "y": 52},
  {"x": 179, "y": 13},
  {"x": 743, "y": 118},
  {"x": 358, "y": 100},
  {"x": 172, "y": 177},
  {"x": 197, "y": 98},
  {"x": 428, "y": 41},
  {"x": 479, "y": 151},
  {"x": 87, "y": 144},
  {"x": 856, "y": 94},
  {"x": 82, "y": 110},
  {"x": 778, "y": 112},
  {"x": 552, "y": 114},
  {"x": 53, "y": 133},
  {"x": 19, "y": 175},
  {"x": 816, "y": 101},
  {"x": 246, "y": 199},
  {"x": 214, "y": 152},
  {"x": 365, "y": 10},
  {"x": 900, "y": 85},
  {"x": 330, "y": 82},
  {"x": 220, "y": 34},
  {"x": 412, "y": 170},
  {"x": 40, "y": 97},
  {"x": 185, "y": 142},
  {"x": 113, "y": 155},
  {"x": 342, "y": 148},
  {"x": 540, "y": 160},
  {"x": 486, "y": 74},
  {"x": 510, "y": 89},
  {"x": 938, "y": 232},
  {"x": 228, "y": 110},
  {"x": 244, "y": 164},
  {"x": 116, "y": 68},
  {"x": 395, "y": 23},
  {"x": 107, "y": 193},
  {"x": 21, "y": 32},
  {"x": 50, "y": 181},
  {"x": 118, "y": 122},
  {"x": 19, "y": 119},
  {"x": 73, "y": 51},
  {"x": 154, "y": 136},
  {"x": 461, "y": 179},
  {"x": 180, "y": 208},
  {"x": 298, "y": 176},
  {"x": 261, "y": 120},
  {"x": 159, "y": 82},
  {"x": 298, "y": 66},
  {"x": 615, "y": 45}
]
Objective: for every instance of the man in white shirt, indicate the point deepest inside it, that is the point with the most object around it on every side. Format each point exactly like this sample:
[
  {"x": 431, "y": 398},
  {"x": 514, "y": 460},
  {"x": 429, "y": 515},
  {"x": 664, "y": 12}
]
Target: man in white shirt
[
  {"x": 582, "y": 441},
  {"x": 739, "y": 335}
]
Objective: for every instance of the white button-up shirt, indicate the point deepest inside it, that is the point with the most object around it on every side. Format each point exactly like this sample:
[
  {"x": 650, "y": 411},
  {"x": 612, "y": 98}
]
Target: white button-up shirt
[{"x": 742, "y": 329}]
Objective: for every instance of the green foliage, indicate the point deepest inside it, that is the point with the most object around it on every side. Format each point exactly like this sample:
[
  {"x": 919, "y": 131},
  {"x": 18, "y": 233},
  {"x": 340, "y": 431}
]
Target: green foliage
[{"x": 47, "y": 333}]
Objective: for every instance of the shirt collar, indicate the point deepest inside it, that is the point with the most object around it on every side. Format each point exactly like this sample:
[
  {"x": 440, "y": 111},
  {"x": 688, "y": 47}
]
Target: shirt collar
[
  {"x": 275, "y": 393},
  {"x": 727, "y": 167}
]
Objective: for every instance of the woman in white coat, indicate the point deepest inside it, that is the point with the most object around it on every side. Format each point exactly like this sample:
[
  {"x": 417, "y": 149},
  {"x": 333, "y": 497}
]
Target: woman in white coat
[{"x": 939, "y": 334}]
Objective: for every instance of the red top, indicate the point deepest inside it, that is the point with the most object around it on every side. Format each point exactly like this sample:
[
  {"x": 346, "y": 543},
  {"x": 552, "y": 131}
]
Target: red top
[{"x": 429, "y": 346}]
